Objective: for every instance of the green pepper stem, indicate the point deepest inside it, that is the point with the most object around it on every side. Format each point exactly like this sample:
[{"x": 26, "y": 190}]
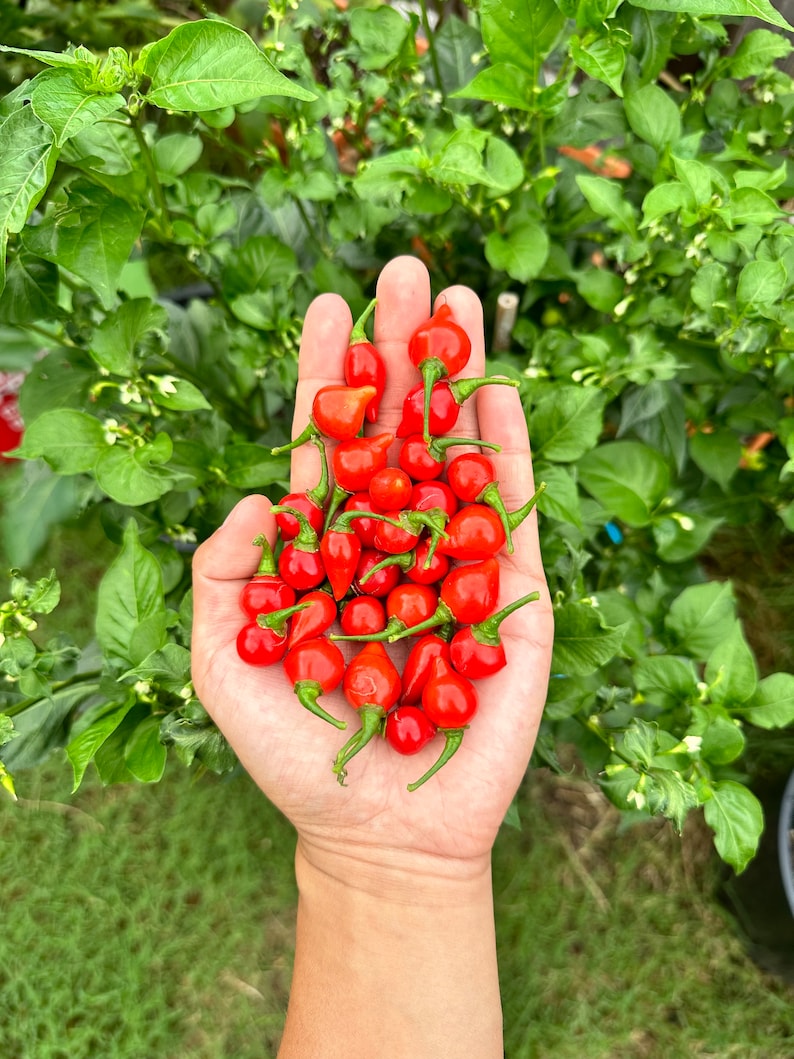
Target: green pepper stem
[
  {"x": 515, "y": 518},
  {"x": 433, "y": 370},
  {"x": 338, "y": 496},
  {"x": 405, "y": 561},
  {"x": 277, "y": 619},
  {"x": 267, "y": 564},
  {"x": 308, "y": 691},
  {"x": 394, "y": 628},
  {"x": 487, "y": 632},
  {"x": 442, "y": 615},
  {"x": 319, "y": 494},
  {"x": 308, "y": 432},
  {"x": 437, "y": 447},
  {"x": 358, "y": 334},
  {"x": 453, "y": 738},
  {"x": 462, "y": 389},
  {"x": 371, "y": 723},
  {"x": 307, "y": 539}
]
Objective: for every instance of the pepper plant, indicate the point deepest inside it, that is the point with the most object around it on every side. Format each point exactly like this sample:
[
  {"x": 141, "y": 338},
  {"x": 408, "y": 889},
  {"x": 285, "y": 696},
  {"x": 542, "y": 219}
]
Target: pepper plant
[{"x": 173, "y": 194}]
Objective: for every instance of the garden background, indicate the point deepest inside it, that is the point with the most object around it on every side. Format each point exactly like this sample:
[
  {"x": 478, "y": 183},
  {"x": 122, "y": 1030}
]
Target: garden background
[{"x": 177, "y": 181}]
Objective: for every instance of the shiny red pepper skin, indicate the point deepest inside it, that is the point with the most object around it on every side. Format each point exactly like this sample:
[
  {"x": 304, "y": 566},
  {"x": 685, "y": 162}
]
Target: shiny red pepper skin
[
  {"x": 411, "y": 604},
  {"x": 382, "y": 582},
  {"x": 261, "y": 647},
  {"x": 340, "y": 550},
  {"x": 440, "y": 339},
  {"x": 477, "y": 651},
  {"x": 314, "y": 620},
  {"x": 427, "y": 495},
  {"x": 300, "y": 562},
  {"x": 471, "y": 592},
  {"x": 364, "y": 528},
  {"x": 311, "y": 502},
  {"x": 355, "y": 462},
  {"x": 314, "y": 668},
  {"x": 337, "y": 412},
  {"x": 390, "y": 489},
  {"x": 469, "y": 473},
  {"x": 419, "y": 663},
  {"x": 408, "y": 730},
  {"x": 422, "y": 572},
  {"x": 416, "y": 461},
  {"x": 394, "y": 540},
  {"x": 372, "y": 686},
  {"x": 446, "y": 400},
  {"x": 363, "y": 365},
  {"x": 475, "y": 532},
  {"x": 362, "y": 616},
  {"x": 450, "y": 702},
  {"x": 266, "y": 591}
]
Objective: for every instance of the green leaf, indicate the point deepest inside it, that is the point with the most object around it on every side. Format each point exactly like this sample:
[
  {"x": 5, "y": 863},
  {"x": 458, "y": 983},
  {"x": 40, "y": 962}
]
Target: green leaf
[
  {"x": 92, "y": 236},
  {"x": 251, "y": 466},
  {"x": 761, "y": 283},
  {"x": 756, "y": 52},
  {"x": 701, "y": 617},
  {"x": 683, "y": 535},
  {"x": 581, "y": 642},
  {"x": 179, "y": 395},
  {"x": 144, "y": 754},
  {"x": 735, "y": 816},
  {"x": 502, "y": 83},
  {"x": 380, "y": 34},
  {"x": 666, "y": 680},
  {"x": 168, "y": 667},
  {"x": 627, "y": 478},
  {"x": 600, "y": 288},
  {"x": 772, "y": 704},
  {"x": 731, "y": 669},
  {"x": 521, "y": 252},
  {"x": 173, "y": 155},
  {"x": 116, "y": 341},
  {"x": 603, "y": 59},
  {"x": 82, "y": 749},
  {"x": 566, "y": 422},
  {"x": 653, "y": 116},
  {"x": 136, "y": 475},
  {"x": 208, "y": 64},
  {"x": 749, "y": 205},
  {"x": 607, "y": 199},
  {"x": 27, "y": 158},
  {"x": 31, "y": 290},
  {"x": 561, "y": 497},
  {"x": 42, "y": 727},
  {"x": 696, "y": 176},
  {"x": 710, "y": 285},
  {"x": 668, "y": 197},
  {"x": 522, "y": 32},
  {"x": 58, "y": 100},
  {"x": 762, "y": 9},
  {"x": 130, "y": 593},
  {"x": 722, "y": 740},
  {"x": 52, "y": 58},
  {"x": 70, "y": 441},
  {"x": 717, "y": 455}
]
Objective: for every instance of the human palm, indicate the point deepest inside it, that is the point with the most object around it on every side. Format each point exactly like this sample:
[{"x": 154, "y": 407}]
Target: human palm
[{"x": 289, "y": 752}]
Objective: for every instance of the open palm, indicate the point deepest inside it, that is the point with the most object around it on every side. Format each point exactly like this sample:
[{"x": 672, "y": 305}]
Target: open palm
[{"x": 288, "y": 751}]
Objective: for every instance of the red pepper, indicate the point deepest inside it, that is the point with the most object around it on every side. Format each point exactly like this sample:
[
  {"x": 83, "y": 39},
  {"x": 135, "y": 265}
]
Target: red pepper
[
  {"x": 266, "y": 591},
  {"x": 419, "y": 663},
  {"x": 390, "y": 489},
  {"x": 372, "y": 686},
  {"x": 381, "y": 583},
  {"x": 477, "y": 651},
  {"x": 450, "y": 702},
  {"x": 363, "y": 615},
  {"x": 446, "y": 399},
  {"x": 510, "y": 519},
  {"x": 438, "y": 347},
  {"x": 363, "y": 364},
  {"x": 311, "y": 502},
  {"x": 423, "y": 460},
  {"x": 475, "y": 532},
  {"x": 427, "y": 495},
  {"x": 471, "y": 592},
  {"x": 315, "y": 667},
  {"x": 261, "y": 647},
  {"x": 423, "y": 565},
  {"x": 407, "y": 606},
  {"x": 408, "y": 729},
  {"x": 355, "y": 462},
  {"x": 364, "y": 528},
  {"x": 316, "y": 618},
  {"x": 337, "y": 412},
  {"x": 340, "y": 549},
  {"x": 300, "y": 562},
  {"x": 469, "y": 473}
]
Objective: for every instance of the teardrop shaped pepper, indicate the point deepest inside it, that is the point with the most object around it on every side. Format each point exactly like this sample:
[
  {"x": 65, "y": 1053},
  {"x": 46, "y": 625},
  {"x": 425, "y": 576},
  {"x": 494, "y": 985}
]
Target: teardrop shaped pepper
[
  {"x": 300, "y": 562},
  {"x": 316, "y": 617},
  {"x": 477, "y": 650},
  {"x": 363, "y": 365},
  {"x": 340, "y": 549},
  {"x": 468, "y": 593},
  {"x": 408, "y": 729},
  {"x": 438, "y": 347},
  {"x": 337, "y": 412},
  {"x": 446, "y": 399},
  {"x": 363, "y": 615},
  {"x": 315, "y": 667},
  {"x": 266, "y": 591},
  {"x": 354, "y": 462},
  {"x": 419, "y": 664},
  {"x": 371, "y": 685},
  {"x": 450, "y": 702}
]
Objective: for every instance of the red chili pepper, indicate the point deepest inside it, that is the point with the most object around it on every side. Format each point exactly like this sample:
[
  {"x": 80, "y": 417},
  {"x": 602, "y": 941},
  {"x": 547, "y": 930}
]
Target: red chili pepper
[
  {"x": 266, "y": 591},
  {"x": 300, "y": 562},
  {"x": 390, "y": 489},
  {"x": 337, "y": 412},
  {"x": 408, "y": 729},
  {"x": 381, "y": 583},
  {"x": 423, "y": 460},
  {"x": 477, "y": 650},
  {"x": 340, "y": 549},
  {"x": 261, "y": 647},
  {"x": 363, "y": 364},
  {"x": 469, "y": 473},
  {"x": 510, "y": 519},
  {"x": 364, "y": 528},
  {"x": 450, "y": 702},
  {"x": 372, "y": 686},
  {"x": 423, "y": 565},
  {"x": 471, "y": 592},
  {"x": 363, "y": 615},
  {"x": 354, "y": 462},
  {"x": 408, "y": 606},
  {"x": 316, "y": 618},
  {"x": 446, "y": 399},
  {"x": 427, "y": 495},
  {"x": 311, "y": 502},
  {"x": 475, "y": 532},
  {"x": 419, "y": 663},
  {"x": 315, "y": 667},
  {"x": 438, "y": 347}
]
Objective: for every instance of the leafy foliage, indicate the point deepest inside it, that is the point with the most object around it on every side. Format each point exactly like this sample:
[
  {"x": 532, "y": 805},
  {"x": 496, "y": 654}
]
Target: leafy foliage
[{"x": 172, "y": 199}]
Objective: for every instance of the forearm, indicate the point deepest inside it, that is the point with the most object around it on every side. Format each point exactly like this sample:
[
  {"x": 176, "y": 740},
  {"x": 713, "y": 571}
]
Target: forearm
[{"x": 407, "y": 972}]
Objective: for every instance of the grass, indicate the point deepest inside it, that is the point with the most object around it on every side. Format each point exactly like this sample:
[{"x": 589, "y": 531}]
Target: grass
[{"x": 157, "y": 922}]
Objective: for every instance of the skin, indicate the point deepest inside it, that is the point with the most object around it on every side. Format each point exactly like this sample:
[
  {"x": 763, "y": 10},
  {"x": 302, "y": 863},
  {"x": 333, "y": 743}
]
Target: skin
[{"x": 395, "y": 949}]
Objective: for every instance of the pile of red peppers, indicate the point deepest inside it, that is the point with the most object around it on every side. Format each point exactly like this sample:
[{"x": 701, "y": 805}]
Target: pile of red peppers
[{"x": 389, "y": 553}]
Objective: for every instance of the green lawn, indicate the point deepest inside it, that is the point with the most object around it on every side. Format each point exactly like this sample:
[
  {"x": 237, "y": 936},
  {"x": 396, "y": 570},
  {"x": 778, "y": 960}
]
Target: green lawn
[{"x": 156, "y": 923}]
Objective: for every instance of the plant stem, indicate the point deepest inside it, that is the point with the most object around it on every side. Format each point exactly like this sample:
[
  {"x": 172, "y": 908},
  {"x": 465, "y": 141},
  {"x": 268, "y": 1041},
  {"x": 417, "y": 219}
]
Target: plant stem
[
  {"x": 78, "y": 678},
  {"x": 431, "y": 44},
  {"x": 154, "y": 180},
  {"x": 39, "y": 330}
]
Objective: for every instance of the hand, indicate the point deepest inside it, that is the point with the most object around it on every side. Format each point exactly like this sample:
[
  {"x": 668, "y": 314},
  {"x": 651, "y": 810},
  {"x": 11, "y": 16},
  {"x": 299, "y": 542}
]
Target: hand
[{"x": 451, "y": 822}]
